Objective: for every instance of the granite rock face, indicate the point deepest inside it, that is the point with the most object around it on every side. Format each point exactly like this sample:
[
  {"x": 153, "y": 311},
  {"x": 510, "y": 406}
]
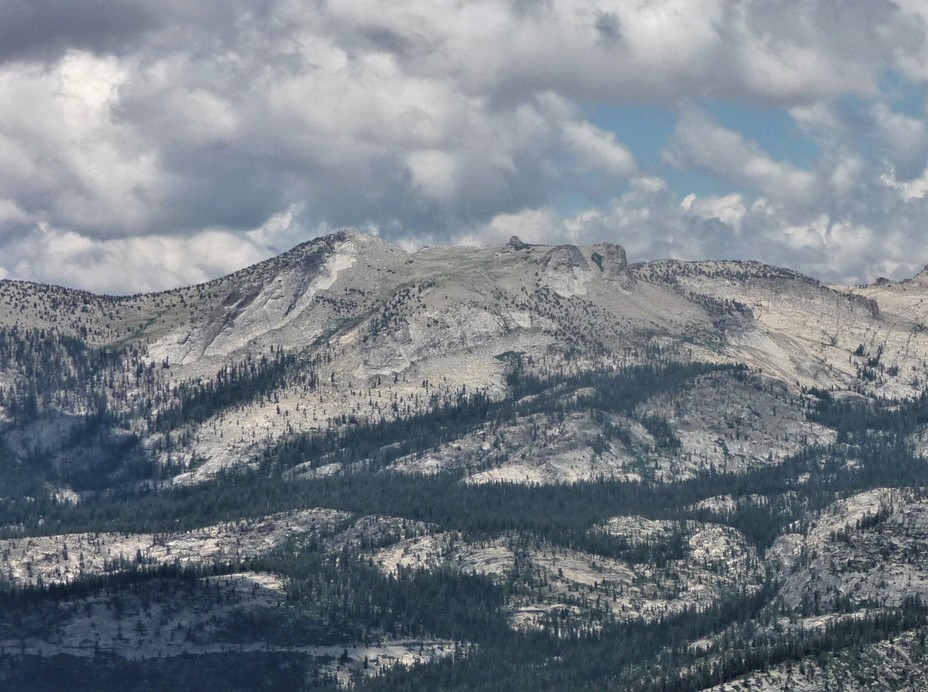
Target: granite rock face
[
  {"x": 721, "y": 443},
  {"x": 360, "y": 313}
]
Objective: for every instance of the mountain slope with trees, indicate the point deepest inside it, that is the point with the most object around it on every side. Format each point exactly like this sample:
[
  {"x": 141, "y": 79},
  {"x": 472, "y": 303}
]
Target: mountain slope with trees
[{"x": 514, "y": 467}]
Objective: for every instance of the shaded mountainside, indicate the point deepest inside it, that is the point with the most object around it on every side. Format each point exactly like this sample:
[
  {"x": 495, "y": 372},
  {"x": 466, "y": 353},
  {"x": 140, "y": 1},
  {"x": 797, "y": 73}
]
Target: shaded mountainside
[{"x": 465, "y": 467}]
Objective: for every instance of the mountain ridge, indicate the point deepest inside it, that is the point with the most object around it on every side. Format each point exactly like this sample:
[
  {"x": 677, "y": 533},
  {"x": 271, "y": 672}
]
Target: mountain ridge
[
  {"x": 438, "y": 319},
  {"x": 350, "y": 458}
]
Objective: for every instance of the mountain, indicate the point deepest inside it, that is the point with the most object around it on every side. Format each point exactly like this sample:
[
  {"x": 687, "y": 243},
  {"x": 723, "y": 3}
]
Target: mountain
[{"x": 352, "y": 463}]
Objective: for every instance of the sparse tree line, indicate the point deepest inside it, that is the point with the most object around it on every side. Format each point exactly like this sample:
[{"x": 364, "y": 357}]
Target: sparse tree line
[{"x": 335, "y": 597}]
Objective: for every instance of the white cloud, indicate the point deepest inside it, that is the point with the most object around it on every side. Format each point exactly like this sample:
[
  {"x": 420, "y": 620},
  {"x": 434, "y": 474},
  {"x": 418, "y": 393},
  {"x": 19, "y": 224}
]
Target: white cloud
[
  {"x": 661, "y": 50},
  {"x": 909, "y": 190},
  {"x": 541, "y": 225},
  {"x": 11, "y": 213},
  {"x": 127, "y": 265},
  {"x": 599, "y": 150},
  {"x": 729, "y": 209},
  {"x": 700, "y": 143},
  {"x": 651, "y": 222},
  {"x": 906, "y": 139},
  {"x": 434, "y": 173},
  {"x": 135, "y": 134},
  {"x": 68, "y": 156}
]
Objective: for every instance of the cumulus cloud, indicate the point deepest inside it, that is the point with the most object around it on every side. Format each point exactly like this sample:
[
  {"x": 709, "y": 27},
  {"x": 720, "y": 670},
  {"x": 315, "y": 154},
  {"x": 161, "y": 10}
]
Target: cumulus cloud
[
  {"x": 905, "y": 139},
  {"x": 661, "y": 50},
  {"x": 129, "y": 265},
  {"x": 651, "y": 221},
  {"x": 729, "y": 209},
  {"x": 702, "y": 144},
  {"x": 142, "y": 127},
  {"x": 599, "y": 150}
]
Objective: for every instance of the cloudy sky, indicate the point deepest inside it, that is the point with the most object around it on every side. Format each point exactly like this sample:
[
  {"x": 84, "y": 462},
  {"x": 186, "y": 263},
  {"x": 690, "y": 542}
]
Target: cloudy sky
[{"x": 147, "y": 144}]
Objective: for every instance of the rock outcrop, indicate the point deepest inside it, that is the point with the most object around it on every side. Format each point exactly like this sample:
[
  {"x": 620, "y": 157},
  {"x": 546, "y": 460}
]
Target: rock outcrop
[
  {"x": 515, "y": 244},
  {"x": 613, "y": 263},
  {"x": 566, "y": 271}
]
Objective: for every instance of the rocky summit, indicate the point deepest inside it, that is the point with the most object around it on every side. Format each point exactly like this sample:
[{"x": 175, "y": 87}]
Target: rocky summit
[{"x": 519, "y": 466}]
